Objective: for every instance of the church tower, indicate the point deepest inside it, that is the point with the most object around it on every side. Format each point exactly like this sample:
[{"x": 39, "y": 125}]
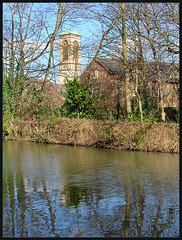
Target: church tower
[{"x": 70, "y": 55}]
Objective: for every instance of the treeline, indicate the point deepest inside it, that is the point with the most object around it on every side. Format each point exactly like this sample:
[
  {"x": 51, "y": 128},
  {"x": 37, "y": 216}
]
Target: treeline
[
  {"x": 141, "y": 32},
  {"x": 79, "y": 102}
]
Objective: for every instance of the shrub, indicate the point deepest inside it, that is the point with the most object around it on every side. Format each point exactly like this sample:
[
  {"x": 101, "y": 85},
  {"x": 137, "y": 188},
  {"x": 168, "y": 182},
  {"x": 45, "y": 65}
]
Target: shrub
[
  {"x": 35, "y": 105},
  {"x": 79, "y": 101},
  {"x": 12, "y": 90},
  {"x": 172, "y": 114},
  {"x": 7, "y": 117}
]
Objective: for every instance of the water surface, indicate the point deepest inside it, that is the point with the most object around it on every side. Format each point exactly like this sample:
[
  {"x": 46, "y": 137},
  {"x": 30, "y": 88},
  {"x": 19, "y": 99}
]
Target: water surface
[{"x": 66, "y": 191}]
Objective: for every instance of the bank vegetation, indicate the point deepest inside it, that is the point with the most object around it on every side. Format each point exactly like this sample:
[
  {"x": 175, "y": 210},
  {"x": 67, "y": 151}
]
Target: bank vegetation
[{"x": 124, "y": 135}]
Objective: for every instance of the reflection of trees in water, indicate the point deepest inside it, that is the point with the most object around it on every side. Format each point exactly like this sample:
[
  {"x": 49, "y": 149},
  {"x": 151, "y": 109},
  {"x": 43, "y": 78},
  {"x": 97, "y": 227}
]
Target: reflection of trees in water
[
  {"x": 21, "y": 197},
  {"x": 127, "y": 219},
  {"x": 51, "y": 209},
  {"x": 126, "y": 222},
  {"x": 14, "y": 190},
  {"x": 73, "y": 195},
  {"x": 122, "y": 223},
  {"x": 157, "y": 228},
  {"x": 139, "y": 204},
  {"x": 9, "y": 207}
]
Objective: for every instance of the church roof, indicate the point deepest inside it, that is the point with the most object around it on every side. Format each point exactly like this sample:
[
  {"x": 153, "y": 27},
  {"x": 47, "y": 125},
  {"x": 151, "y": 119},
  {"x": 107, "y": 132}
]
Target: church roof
[
  {"x": 70, "y": 32},
  {"x": 114, "y": 66},
  {"x": 111, "y": 65}
]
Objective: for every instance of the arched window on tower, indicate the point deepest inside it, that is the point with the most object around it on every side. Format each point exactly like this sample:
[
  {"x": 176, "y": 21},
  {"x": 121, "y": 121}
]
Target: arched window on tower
[
  {"x": 75, "y": 53},
  {"x": 65, "y": 50}
]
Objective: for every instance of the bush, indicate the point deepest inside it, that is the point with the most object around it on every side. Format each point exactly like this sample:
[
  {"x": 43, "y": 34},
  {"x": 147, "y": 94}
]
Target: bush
[
  {"x": 79, "y": 101},
  {"x": 12, "y": 90},
  {"x": 6, "y": 120},
  {"x": 36, "y": 105},
  {"x": 149, "y": 108},
  {"x": 172, "y": 114}
]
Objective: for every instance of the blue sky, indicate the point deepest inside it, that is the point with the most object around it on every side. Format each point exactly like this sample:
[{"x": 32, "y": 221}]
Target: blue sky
[
  {"x": 88, "y": 28},
  {"x": 85, "y": 28}
]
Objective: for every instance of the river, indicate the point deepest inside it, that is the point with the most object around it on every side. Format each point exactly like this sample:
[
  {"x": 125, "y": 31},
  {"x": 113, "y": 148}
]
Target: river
[{"x": 70, "y": 191}]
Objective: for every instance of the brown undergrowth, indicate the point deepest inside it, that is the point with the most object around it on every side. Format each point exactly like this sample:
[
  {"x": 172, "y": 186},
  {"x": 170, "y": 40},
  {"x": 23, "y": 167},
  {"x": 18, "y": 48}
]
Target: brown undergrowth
[{"x": 156, "y": 137}]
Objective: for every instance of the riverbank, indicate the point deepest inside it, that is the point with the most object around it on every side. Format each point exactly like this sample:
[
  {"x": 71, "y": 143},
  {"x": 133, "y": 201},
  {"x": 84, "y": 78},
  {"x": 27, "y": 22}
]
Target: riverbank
[{"x": 124, "y": 135}]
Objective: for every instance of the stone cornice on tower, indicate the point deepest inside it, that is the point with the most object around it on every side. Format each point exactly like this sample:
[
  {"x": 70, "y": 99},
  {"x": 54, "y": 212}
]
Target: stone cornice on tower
[{"x": 70, "y": 32}]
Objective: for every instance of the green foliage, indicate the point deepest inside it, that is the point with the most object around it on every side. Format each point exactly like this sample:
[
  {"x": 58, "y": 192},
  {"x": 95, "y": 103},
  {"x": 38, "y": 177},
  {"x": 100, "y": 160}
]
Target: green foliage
[
  {"x": 140, "y": 144},
  {"x": 108, "y": 135},
  {"x": 31, "y": 105},
  {"x": 7, "y": 118},
  {"x": 36, "y": 105},
  {"x": 12, "y": 90},
  {"x": 41, "y": 140},
  {"x": 172, "y": 114},
  {"x": 57, "y": 112},
  {"x": 102, "y": 110},
  {"x": 6, "y": 95},
  {"x": 79, "y": 101},
  {"x": 149, "y": 108}
]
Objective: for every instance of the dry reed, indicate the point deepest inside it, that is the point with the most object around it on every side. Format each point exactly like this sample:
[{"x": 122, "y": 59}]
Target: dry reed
[{"x": 156, "y": 137}]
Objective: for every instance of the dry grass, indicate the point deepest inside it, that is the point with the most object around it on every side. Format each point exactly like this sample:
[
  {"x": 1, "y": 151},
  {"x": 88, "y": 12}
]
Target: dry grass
[
  {"x": 157, "y": 137},
  {"x": 162, "y": 138}
]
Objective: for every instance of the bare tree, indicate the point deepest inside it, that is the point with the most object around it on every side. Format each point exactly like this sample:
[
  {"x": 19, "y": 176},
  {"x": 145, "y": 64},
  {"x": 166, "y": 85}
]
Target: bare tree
[
  {"x": 13, "y": 11},
  {"x": 25, "y": 35},
  {"x": 137, "y": 46},
  {"x": 112, "y": 16},
  {"x": 125, "y": 59},
  {"x": 167, "y": 25},
  {"x": 151, "y": 37},
  {"x": 34, "y": 39},
  {"x": 58, "y": 24}
]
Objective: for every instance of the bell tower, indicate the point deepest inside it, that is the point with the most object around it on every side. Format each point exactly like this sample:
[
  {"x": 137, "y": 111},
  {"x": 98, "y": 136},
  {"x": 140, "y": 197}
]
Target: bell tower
[{"x": 70, "y": 55}]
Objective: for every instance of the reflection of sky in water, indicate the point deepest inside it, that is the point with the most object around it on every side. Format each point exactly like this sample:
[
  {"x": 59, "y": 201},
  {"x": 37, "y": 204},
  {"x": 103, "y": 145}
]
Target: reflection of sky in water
[{"x": 52, "y": 190}]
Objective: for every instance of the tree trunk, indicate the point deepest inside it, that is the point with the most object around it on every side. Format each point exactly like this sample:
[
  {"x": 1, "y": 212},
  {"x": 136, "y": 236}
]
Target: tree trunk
[
  {"x": 22, "y": 57},
  {"x": 136, "y": 72},
  {"x": 126, "y": 71},
  {"x": 58, "y": 23},
  {"x": 12, "y": 58},
  {"x": 12, "y": 49},
  {"x": 161, "y": 100}
]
